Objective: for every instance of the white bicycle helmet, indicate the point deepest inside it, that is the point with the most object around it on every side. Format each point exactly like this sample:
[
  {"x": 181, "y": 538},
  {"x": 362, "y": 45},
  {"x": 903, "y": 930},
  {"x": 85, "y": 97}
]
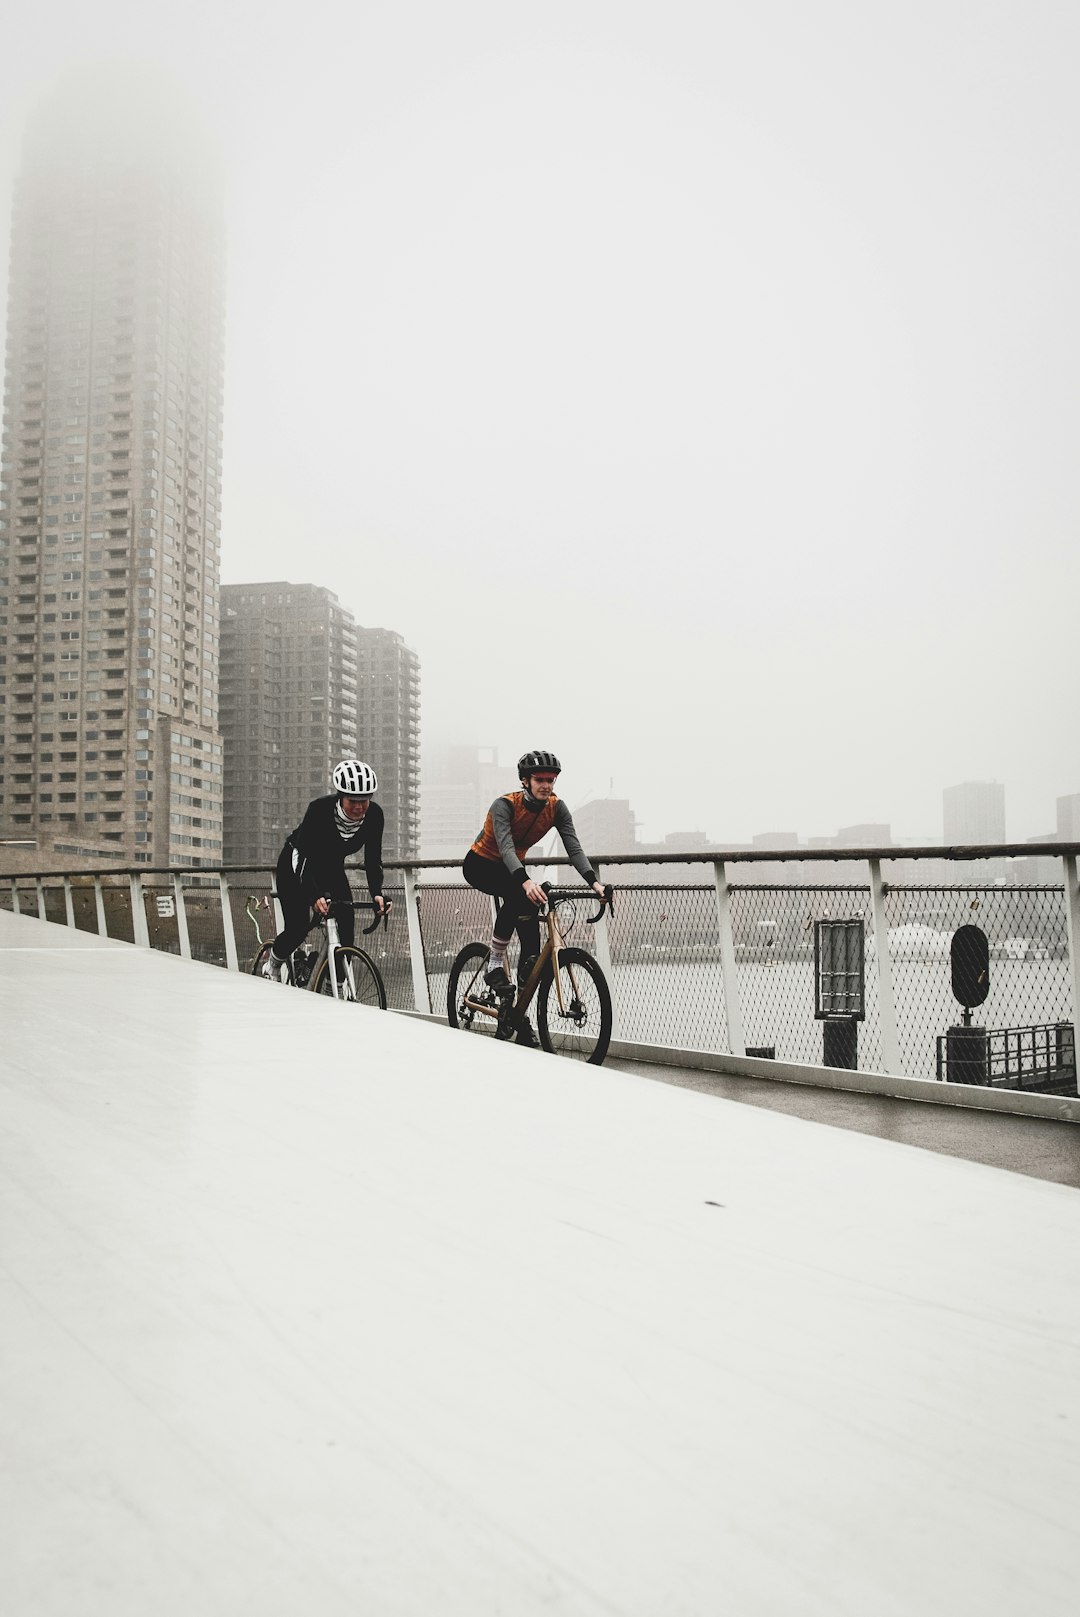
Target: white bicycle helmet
[{"x": 355, "y": 779}]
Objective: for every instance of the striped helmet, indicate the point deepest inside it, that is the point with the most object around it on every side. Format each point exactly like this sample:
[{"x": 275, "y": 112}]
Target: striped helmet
[{"x": 354, "y": 779}]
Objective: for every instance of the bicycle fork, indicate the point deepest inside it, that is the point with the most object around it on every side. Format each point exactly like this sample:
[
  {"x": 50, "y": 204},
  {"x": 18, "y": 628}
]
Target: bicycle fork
[{"x": 333, "y": 945}]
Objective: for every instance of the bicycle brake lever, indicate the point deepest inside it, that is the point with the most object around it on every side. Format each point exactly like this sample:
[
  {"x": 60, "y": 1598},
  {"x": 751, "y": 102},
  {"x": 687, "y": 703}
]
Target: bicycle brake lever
[
  {"x": 607, "y": 902},
  {"x": 384, "y": 918}
]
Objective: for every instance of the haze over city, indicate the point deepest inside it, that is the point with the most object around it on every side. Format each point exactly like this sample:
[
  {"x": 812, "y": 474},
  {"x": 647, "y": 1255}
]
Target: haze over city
[{"x": 692, "y": 387}]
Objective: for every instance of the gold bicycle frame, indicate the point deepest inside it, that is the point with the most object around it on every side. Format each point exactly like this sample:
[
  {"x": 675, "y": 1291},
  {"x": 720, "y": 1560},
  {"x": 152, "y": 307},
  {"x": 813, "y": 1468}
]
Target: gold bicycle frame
[{"x": 523, "y": 998}]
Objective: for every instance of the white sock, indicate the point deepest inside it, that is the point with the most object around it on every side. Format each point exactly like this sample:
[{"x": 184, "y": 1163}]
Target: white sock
[{"x": 497, "y": 953}]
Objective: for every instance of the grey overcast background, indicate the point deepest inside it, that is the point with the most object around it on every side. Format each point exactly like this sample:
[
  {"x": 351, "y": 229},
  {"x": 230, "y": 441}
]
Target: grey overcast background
[{"x": 693, "y": 385}]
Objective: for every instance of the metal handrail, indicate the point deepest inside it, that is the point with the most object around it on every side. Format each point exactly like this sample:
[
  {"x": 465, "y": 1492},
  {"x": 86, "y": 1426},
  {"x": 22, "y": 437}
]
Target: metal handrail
[{"x": 769, "y": 856}]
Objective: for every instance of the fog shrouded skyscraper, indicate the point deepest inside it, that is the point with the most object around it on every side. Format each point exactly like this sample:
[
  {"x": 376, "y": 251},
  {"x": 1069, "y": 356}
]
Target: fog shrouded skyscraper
[{"x": 110, "y": 532}]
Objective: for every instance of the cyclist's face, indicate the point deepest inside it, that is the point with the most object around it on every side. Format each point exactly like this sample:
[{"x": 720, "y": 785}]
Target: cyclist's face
[
  {"x": 542, "y": 785},
  {"x": 354, "y": 808}
]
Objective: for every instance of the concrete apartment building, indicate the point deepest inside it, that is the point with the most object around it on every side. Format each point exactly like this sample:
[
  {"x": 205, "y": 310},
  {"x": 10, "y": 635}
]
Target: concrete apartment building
[
  {"x": 302, "y": 686},
  {"x": 111, "y": 467}
]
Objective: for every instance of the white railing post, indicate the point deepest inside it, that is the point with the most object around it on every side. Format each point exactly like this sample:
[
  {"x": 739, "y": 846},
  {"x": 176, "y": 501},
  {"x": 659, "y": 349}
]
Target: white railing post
[
  {"x": 602, "y": 941},
  {"x": 890, "y": 1042},
  {"x": 421, "y": 991},
  {"x": 181, "y": 916},
  {"x": 40, "y": 898},
  {"x": 15, "y": 906},
  {"x": 138, "y": 912},
  {"x": 69, "y": 903},
  {"x": 231, "y": 960},
  {"x": 99, "y": 906},
  {"x": 1071, "y": 876},
  {"x": 729, "y": 972}
]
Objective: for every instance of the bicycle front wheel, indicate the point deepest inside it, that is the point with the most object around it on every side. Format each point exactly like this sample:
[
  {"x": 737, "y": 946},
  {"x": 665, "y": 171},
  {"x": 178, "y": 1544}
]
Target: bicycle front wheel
[
  {"x": 359, "y": 979},
  {"x": 580, "y": 1025},
  {"x": 470, "y": 1004}
]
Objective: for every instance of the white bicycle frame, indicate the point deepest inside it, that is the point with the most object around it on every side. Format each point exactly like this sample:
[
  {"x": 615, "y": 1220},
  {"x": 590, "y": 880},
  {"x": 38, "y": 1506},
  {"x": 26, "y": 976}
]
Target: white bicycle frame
[{"x": 333, "y": 943}]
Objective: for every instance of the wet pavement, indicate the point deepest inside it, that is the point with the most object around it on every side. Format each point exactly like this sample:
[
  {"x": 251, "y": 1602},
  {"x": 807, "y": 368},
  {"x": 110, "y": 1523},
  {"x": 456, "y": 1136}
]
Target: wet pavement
[{"x": 1040, "y": 1147}]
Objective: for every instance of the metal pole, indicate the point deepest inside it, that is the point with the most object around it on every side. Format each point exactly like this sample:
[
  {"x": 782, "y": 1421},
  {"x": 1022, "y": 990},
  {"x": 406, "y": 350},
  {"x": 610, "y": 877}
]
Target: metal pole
[
  {"x": 890, "y": 1042},
  {"x": 15, "y": 909},
  {"x": 1071, "y": 874},
  {"x": 181, "y": 916},
  {"x": 732, "y": 1003},
  {"x": 138, "y": 913},
  {"x": 40, "y": 899},
  {"x": 69, "y": 903},
  {"x": 99, "y": 906},
  {"x": 421, "y": 991},
  {"x": 227, "y": 924},
  {"x": 602, "y": 939}
]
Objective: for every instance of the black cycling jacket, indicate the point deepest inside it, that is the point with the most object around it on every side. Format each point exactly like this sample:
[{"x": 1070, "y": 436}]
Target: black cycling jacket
[{"x": 319, "y": 851}]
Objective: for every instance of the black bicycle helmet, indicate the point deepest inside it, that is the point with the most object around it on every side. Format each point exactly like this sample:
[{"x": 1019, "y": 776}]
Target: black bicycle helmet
[{"x": 530, "y": 762}]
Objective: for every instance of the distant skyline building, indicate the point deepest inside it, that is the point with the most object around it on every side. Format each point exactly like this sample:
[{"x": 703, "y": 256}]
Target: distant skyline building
[
  {"x": 606, "y": 825},
  {"x": 111, "y": 482},
  {"x": 460, "y": 783},
  {"x": 974, "y": 812},
  {"x": 303, "y": 686},
  {"x": 1068, "y": 818}
]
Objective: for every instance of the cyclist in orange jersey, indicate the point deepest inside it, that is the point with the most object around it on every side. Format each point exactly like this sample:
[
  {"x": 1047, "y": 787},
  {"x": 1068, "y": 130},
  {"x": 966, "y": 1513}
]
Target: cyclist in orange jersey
[{"x": 495, "y": 863}]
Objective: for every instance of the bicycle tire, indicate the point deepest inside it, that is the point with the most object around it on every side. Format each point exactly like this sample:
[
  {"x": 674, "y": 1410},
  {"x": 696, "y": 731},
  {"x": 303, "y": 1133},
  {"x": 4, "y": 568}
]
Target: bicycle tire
[
  {"x": 367, "y": 988},
  {"x": 467, "y": 979},
  {"x": 584, "y": 1032},
  {"x": 260, "y": 961}
]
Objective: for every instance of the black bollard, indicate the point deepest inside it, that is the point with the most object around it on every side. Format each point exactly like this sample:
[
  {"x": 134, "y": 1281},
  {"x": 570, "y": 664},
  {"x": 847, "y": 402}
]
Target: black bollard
[
  {"x": 967, "y": 1055},
  {"x": 841, "y": 1042}
]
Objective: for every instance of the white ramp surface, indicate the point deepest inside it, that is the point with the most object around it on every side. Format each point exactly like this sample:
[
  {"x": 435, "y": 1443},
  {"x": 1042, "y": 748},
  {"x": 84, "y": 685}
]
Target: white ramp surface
[{"x": 309, "y": 1309}]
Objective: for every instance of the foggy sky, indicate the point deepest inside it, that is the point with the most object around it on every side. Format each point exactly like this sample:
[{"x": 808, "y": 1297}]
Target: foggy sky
[{"x": 693, "y": 385}]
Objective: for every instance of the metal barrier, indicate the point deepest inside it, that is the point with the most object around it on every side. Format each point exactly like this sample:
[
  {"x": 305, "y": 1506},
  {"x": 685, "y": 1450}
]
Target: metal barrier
[{"x": 703, "y": 961}]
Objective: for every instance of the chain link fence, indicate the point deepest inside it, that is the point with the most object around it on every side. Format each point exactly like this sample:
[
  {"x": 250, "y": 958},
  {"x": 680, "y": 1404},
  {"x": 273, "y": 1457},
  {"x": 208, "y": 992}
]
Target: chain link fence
[{"x": 664, "y": 946}]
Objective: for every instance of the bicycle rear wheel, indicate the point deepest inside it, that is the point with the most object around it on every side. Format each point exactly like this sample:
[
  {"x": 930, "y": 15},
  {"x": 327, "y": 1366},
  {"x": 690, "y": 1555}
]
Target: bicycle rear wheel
[
  {"x": 467, "y": 990},
  {"x": 260, "y": 961},
  {"x": 581, "y": 1030},
  {"x": 359, "y": 979}
]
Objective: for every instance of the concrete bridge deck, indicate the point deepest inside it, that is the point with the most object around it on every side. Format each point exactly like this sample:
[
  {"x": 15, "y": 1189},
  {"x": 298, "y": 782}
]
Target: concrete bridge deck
[{"x": 313, "y": 1309}]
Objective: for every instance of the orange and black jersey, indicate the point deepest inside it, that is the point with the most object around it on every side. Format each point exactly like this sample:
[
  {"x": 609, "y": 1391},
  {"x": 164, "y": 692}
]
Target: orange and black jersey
[{"x": 516, "y": 822}]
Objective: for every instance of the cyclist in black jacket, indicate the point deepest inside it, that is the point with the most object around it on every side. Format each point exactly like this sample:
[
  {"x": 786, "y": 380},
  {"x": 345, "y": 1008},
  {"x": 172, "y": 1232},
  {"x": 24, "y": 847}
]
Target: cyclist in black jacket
[{"x": 312, "y": 862}]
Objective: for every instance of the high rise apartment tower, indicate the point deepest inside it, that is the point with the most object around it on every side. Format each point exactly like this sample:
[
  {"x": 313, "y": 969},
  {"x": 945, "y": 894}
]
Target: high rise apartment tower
[
  {"x": 111, "y": 467},
  {"x": 303, "y": 686}
]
